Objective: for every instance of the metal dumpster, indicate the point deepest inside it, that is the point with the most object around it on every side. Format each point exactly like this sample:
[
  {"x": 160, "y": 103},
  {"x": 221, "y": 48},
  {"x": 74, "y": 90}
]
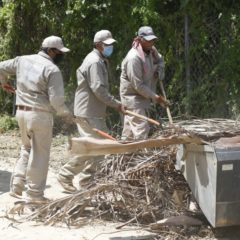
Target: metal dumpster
[{"x": 213, "y": 174}]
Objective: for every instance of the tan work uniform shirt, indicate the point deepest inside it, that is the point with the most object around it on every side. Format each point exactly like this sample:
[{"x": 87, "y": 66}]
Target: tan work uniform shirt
[
  {"x": 39, "y": 82},
  {"x": 138, "y": 84},
  {"x": 92, "y": 95}
]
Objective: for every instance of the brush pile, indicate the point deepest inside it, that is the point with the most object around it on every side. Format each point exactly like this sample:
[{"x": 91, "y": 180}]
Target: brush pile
[
  {"x": 211, "y": 129},
  {"x": 138, "y": 188}
]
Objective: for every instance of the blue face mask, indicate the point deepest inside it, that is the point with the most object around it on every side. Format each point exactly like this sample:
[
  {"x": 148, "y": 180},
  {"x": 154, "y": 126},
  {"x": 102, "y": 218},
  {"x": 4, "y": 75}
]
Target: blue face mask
[{"x": 107, "y": 50}]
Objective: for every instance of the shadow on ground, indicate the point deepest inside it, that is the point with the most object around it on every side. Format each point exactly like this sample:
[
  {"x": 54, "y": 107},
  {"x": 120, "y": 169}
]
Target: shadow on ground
[
  {"x": 227, "y": 233},
  {"x": 145, "y": 237},
  {"x": 5, "y": 177}
]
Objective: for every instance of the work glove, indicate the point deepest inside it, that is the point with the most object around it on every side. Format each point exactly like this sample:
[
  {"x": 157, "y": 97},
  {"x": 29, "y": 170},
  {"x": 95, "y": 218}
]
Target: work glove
[
  {"x": 162, "y": 101},
  {"x": 68, "y": 117},
  {"x": 121, "y": 108}
]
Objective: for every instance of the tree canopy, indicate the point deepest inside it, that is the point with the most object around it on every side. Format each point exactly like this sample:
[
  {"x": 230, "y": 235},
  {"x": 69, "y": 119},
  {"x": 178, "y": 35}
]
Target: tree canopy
[{"x": 199, "y": 41}]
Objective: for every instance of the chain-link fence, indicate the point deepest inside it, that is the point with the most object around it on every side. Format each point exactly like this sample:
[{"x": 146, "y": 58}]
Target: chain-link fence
[
  {"x": 203, "y": 75},
  {"x": 194, "y": 78}
]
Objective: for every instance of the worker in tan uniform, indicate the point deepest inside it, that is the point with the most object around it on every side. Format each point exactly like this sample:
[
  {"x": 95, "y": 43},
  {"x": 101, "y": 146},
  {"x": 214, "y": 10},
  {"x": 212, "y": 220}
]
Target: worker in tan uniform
[
  {"x": 142, "y": 67},
  {"x": 92, "y": 97},
  {"x": 39, "y": 92}
]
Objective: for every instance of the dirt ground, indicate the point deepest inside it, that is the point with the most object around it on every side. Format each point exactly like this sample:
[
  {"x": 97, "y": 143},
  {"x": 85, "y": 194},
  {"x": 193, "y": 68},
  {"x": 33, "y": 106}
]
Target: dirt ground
[{"x": 10, "y": 229}]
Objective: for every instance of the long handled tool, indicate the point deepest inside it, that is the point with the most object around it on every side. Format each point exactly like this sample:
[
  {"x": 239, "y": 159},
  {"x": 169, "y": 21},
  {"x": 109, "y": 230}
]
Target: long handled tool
[
  {"x": 167, "y": 108},
  {"x": 104, "y": 134},
  {"x": 143, "y": 117},
  {"x": 95, "y": 130},
  {"x": 9, "y": 88}
]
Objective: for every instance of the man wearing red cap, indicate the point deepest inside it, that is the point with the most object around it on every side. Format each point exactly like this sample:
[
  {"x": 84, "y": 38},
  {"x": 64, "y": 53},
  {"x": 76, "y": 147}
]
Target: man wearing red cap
[
  {"x": 141, "y": 69},
  {"x": 39, "y": 91}
]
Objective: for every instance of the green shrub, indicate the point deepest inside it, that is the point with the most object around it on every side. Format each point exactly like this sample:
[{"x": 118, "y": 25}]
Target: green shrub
[{"x": 7, "y": 123}]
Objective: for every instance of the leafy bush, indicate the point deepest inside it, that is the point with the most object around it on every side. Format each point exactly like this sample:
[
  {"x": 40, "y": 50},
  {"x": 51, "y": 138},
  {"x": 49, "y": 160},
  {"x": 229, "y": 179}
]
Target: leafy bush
[
  {"x": 7, "y": 123},
  {"x": 198, "y": 39}
]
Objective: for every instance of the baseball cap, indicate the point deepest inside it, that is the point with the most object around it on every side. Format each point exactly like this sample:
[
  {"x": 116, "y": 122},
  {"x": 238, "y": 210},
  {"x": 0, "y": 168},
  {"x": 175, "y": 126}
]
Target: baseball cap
[
  {"x": 147, "y": 33},
  {"x": 104, "y": 36},
  {"x": 54, "y": 42}
]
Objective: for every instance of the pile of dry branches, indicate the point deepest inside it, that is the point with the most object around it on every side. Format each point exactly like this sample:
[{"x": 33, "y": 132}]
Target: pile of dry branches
[
  {"x": 139, "y": 188},
  {"x": 211, "y": 129},
  {"x": 142, "y": 187}
]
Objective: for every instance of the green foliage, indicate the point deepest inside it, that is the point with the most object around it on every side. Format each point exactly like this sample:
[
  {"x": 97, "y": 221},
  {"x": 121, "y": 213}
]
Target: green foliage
[
  {"x": 214, "y": 40},
  {"x": 7, "y": 123}
]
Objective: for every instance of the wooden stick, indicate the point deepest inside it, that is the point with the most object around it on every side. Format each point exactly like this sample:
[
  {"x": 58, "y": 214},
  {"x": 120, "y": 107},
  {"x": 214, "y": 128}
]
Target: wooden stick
[
  {"x": 129, "y": 221},
  {"x": 142, "y": 117},
  {"x": 167, "y": 108}
]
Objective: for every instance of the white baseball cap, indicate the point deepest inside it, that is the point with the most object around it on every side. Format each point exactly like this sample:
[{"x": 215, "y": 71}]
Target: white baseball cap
[
  {"x": 104, "y": 36},
  {"x": 54, "y": 42}
]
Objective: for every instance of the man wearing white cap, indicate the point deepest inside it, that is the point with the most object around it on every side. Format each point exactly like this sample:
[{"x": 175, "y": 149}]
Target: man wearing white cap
[
  {"x": 92, "y": 97},
  {"x": 141, "y": 69},
  {"x": 39, "y": 92}
]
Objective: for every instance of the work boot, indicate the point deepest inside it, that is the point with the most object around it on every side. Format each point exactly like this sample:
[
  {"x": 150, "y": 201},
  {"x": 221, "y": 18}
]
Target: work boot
[
  {"x": 15, "y": 192},
  {"x": 66, "y": 184},
  {"x": 87, "y": 182},
  {"x": 36, "y": 199}
]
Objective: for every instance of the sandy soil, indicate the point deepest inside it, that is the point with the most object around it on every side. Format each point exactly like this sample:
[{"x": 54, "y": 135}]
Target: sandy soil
[{"x": 11, "y": 230}]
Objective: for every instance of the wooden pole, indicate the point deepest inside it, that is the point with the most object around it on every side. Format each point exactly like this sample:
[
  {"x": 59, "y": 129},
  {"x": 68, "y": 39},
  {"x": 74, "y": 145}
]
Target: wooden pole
[
  {"x": 143, "y": 117},
  {"x": 167, "y": 108}
]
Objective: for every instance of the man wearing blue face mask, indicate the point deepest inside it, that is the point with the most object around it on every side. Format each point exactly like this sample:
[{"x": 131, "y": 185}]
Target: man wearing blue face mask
[{"x": 92, "y": 97}]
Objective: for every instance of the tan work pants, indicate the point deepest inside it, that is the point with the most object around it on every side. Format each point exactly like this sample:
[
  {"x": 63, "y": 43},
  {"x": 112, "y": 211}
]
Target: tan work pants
[
  {"x": 85, "y": 165},
  {"x": 36, "y": 137},
  {"x": 135, "y": 128}
]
